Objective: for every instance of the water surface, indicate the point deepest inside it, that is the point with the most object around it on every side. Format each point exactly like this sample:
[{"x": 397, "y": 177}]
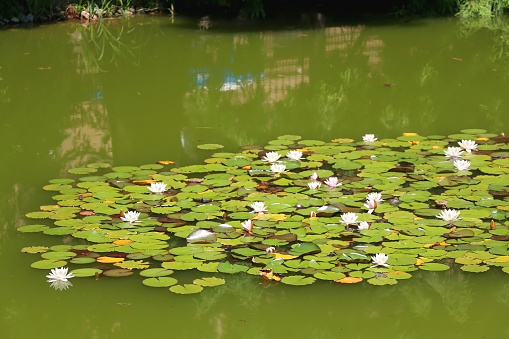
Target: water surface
[{"x": 134, "y": 91}]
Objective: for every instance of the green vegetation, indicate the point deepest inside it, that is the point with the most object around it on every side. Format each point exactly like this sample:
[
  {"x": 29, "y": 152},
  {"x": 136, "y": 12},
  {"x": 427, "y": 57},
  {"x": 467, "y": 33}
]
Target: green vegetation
[
  {"x": 293, "y": 212},
  {"x": 256, "y": 8}
]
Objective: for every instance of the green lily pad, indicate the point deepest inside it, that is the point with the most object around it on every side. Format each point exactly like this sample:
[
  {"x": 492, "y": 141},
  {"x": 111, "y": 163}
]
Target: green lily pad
[
  {"x": 304, "y": 248},
  {"x": 86, "y": 272},
  {"x": 298, "y": 280},
  {"x": 186, "y": 289},
  {"x": 35, "y": 249},
  {"x": 210, "y": 146},
  {"x": 82, "y": 260},
  {"x": 209, "y": 281},
  {"x": 118, "y": 273},
  {"x": 433, "y": 266},
  {"x": 328, "y": 275},
  {"x": 382, "y": 281},
  {"x": 474, "y": 268},
  {"x": 159, "y": 281},
  {"x": 48, "y": 264},
  {"x": 226, "y": 267},
  {"x": 58, "y": 255}
]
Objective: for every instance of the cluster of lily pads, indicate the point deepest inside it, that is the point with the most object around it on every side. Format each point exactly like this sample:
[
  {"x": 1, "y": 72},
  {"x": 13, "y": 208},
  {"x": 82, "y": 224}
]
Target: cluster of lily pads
[{"x": 292, "y": 212}]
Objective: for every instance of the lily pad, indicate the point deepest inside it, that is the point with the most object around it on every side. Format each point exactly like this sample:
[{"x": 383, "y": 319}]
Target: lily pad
[
  {"x": 86, "y": 272},
  {"x": 298, "y": 280},
  {"x": 159, "y": 281},
  {"x": 186, "y": 289},
  {"x": 210, "y": 146},
  {"x": 209, "y": 281},
  {"x": 433, "y": 266}
]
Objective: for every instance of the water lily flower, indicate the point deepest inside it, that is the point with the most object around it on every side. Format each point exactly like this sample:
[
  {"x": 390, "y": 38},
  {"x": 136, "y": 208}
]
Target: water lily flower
[
  {"x": 313, "y": 185},
  {"x": 270, "y": 249},
  {"x": 380, "y": 259},
  {"x": 363, "y": 225},
  {"x": 247, "y": 225},
  {"x": 453, "y": 152},
  {"x": 157, "y": 187},
  {"x": 59, "y": 278},
  {"x": 258, "y": 207},
  {"x": 376, "y": 196},
  {"x": 348, "y": 218},
  {"x": 271, "y": 157},
  {"x": 131, "y": 217},
  {"x": 461, "y": 165},
  {"x": 369, "y": 138},
  {"x": 449, "y": 215},
  {"x": 370, "y": 205},
  {"x": 278, "y": 168},
  {"x": 333, "y": 182},
  {"x": 468, "y": 145},
  {"x": 314, "y": 176},
  {"x": 294, "y": 155}
]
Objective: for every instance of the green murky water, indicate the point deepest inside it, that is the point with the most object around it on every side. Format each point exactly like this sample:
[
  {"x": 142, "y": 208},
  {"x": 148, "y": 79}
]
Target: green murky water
[{"x": 137, "y": 91}]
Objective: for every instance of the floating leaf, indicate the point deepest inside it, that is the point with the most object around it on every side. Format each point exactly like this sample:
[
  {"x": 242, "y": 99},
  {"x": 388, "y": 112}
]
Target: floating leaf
[
  {"x": 155, "y": 272},
  {"x": 433, "y": 266},
  {"x": 159, "y": 281},
  {"x": 35, "y": 249},
  {"x": 226, "y": 267},
  {"x": 304, "y": 248},
  {"x": 86, "y": 272},
  {"x": 382, "y": 281},
  {"x": 210, "y": 146},
  {"x": 474, "y": 268},
  {"x": 209, "y": 281},
  {"x": 298, "y": 280},
  {"x": 133, "y": 264},
  {"x": 186, "y": 289},
  {"x": 349, "y": 280},
  {"x": 32, "y": 228},
  {"x": 328, "y": 275},
  {"x": 118, "y": 273},
  {"x": 109, "y": 260}
]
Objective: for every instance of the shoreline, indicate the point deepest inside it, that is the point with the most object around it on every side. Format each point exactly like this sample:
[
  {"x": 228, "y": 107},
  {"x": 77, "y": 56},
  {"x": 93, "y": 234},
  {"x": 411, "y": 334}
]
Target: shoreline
[{"x": 72, "y": 13}]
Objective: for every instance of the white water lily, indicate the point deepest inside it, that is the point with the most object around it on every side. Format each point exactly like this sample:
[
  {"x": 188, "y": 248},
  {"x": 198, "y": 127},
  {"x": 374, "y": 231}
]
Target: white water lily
[
  {"x": 369, "y": 138},
  {"x": 348, "y": 218},
  {"x": 453, "y": 152},
  {"x": 376, "y": 196},
  {"x": 449, "y": 215},
  {"x": 278, "y": 168},
  {"x": 371, "y": 205},
  {"x": 294, "y": 155},
  {"x": 363, "y": 225},
  {"x": 461, "y": 165},
  {"x": 59, "y": 274},
  {"x": 270, "y": 249},
  {"x": 314, "y": 185},
  {"x": 314, "y": 176},
  {"x": 333, "y": 182},
  {"x": 157, "y": 187},
  {"x": 468, "y": 145},
  {"x": 247, "y": 225},
  {"x": 131, "y": 217},
  {"x": 258, "y": 207},
  {"x": 380, "y": 259},
  {"x": 271, "y": 157}
]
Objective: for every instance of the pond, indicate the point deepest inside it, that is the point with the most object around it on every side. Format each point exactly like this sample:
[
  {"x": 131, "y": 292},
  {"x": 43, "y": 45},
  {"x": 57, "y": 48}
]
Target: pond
[{"x": 136, "y": 91}]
